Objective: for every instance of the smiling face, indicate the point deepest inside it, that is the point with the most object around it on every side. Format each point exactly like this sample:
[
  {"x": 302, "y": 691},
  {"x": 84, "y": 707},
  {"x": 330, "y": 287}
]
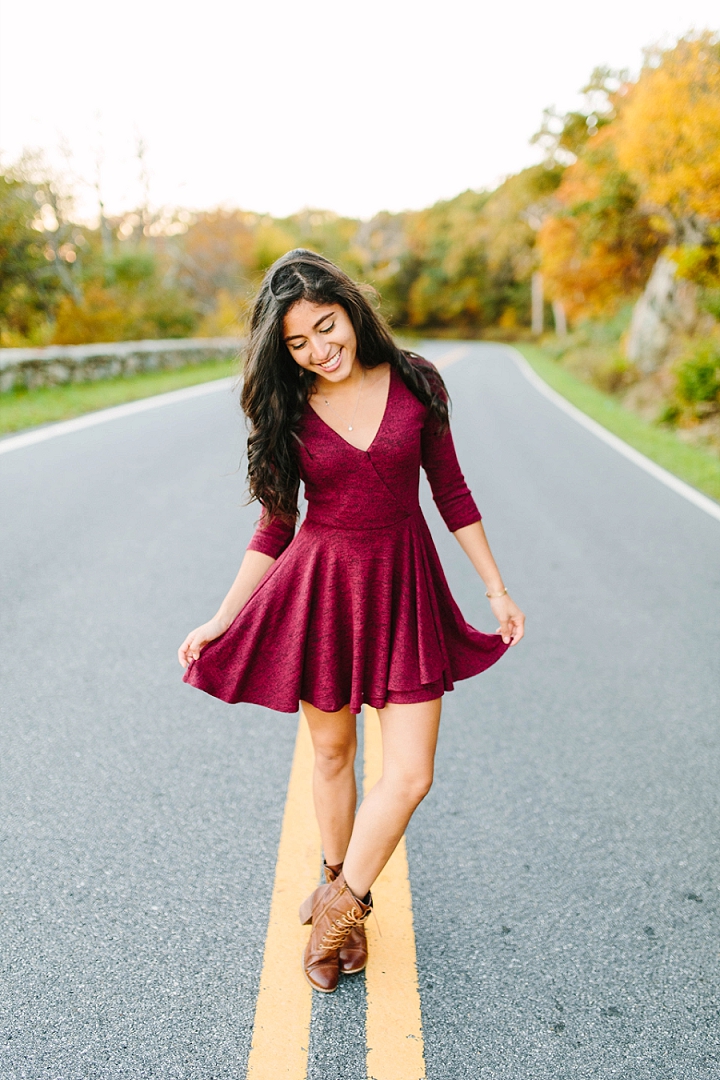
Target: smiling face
[{"x": 321, "y": 339}]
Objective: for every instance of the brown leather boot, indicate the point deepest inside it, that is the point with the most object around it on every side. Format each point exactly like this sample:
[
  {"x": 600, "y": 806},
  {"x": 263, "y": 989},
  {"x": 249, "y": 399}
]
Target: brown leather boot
[
  {"x": 333, "y": 911},
  {"x": 354, "y": 953}
]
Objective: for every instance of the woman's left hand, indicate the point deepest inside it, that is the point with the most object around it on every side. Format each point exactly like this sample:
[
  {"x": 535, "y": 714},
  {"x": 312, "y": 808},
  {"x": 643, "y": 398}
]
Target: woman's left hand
[{"x": 510, "y": 617}]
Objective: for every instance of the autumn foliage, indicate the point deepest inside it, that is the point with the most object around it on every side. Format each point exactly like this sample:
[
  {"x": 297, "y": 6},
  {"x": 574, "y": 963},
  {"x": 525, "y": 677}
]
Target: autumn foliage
[
  {"x": 635, "y": 173},
  {"x": 667, "y": 134},
  {"x": 647, "y": 178},
  {"x": 599, "y": 245}
]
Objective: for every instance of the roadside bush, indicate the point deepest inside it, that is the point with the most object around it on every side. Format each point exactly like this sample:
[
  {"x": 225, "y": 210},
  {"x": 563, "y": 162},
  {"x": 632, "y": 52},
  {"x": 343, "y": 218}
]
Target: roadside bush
[
  {"x": 133, "y": 303},
  {"x": 709, "y": 300},
  {"x": 592, "y": 352},
  {"x": 698, "y": 378},
  {"x": 614, "y": 374},
  {"x": 96, "y": 317}
]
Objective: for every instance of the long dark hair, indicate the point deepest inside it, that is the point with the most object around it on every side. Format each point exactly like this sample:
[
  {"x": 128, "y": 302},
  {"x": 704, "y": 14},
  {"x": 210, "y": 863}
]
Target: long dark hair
[{"x": 276, "y": 389}]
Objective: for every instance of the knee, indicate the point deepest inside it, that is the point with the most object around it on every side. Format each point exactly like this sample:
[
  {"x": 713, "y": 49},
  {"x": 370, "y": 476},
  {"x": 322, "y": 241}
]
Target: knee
[
  {"x": 413, "y": 787},
  {"x": 334, "y": 758},
  {"x": 420, "y": 787}
]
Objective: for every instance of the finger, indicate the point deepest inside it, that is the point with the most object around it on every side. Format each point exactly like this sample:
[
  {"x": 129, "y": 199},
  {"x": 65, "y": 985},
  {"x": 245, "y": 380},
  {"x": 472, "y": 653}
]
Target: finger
[
  {"x": 187, "y": 652},
  {"x": 195, "y": 649}
]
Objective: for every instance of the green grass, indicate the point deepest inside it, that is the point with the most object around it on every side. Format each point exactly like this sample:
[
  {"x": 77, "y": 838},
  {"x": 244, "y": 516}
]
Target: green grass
[
  {"x": 21, "y": 409},
  {"x": 694, "y": 466}
]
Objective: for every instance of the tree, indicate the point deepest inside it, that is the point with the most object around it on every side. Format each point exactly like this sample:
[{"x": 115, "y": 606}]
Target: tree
[
  {"x": 668, "y": 138},
  {"x": 38, "y": 247},
  {"x": 218, "y": 253},
  {"x": 28, "y": 284},
  {"x": 326, "y": 232},
  {"x": 667, "y": 135},
  {"x": 599, "y": 246},
  {"x": 132, "y": 300},
  {"x": 509, "y": 224},
  {"x": 449, "y": 282}
]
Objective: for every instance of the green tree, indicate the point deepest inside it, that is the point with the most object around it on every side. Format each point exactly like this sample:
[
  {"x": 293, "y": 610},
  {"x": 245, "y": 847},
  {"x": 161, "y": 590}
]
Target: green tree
[
  {"x": 37, "y": 251},
  {"x": 28, "y": 283},
  {"x": 510, "y": 220}
]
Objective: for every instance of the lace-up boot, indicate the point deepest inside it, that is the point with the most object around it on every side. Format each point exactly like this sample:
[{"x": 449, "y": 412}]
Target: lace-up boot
[
  {"x": 333, "y": 911},
  {"x": 354, "y": 953}
]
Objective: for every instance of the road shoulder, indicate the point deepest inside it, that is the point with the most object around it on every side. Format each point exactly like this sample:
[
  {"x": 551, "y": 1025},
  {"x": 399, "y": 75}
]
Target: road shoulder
[{"x": 690, "y": 464}]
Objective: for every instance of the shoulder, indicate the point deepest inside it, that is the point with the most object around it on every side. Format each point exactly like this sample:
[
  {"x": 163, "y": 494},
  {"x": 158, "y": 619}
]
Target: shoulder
[
  {"x": 419, "y": 361},
  {"x": 428, "y": 375}
]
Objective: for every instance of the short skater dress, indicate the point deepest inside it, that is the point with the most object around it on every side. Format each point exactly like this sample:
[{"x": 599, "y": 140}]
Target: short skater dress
[{"x": 356, "y": 608}]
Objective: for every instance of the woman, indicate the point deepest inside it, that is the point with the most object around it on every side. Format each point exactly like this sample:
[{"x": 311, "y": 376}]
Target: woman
[{"x": 356, "y": 607}]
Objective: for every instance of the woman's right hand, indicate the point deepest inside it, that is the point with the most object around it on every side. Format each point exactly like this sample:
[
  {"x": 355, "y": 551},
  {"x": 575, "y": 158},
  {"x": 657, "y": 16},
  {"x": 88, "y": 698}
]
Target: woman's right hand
[{"x": 197, "y": 639}]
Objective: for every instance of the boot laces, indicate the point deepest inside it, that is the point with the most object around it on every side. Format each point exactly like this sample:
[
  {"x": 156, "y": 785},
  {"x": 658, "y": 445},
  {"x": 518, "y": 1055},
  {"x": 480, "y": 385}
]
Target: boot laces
[{"x": 336, "y": 934}]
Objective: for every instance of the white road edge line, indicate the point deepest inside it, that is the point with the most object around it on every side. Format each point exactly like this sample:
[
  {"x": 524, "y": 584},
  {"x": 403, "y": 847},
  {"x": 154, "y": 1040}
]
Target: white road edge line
[
  {"x": 678, "y": 486},
  {"x": 117, "y": 412}
]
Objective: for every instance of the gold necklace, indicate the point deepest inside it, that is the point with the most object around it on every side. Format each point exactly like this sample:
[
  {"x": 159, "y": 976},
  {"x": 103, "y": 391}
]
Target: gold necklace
[{"x": 357, "y": 403}]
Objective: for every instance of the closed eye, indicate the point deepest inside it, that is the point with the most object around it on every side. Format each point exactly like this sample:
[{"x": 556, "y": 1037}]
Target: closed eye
[{"x": 326, "y": 330}]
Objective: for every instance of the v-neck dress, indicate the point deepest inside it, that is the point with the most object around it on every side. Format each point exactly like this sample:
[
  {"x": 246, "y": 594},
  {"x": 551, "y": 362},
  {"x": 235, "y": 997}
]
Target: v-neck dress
[{"x": 356, "y": 608}]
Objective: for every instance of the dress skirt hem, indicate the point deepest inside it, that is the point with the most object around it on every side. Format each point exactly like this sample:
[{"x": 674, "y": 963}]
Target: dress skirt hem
[
  {"x": 429, "y": 692},
  {"x": 345, "y": 618}
]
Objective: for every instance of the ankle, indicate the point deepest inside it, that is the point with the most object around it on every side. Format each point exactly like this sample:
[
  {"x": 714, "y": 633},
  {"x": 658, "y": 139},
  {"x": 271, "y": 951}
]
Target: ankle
[
  {"x": 365, "y": 901},
  {"x": 363, "y": 897}
]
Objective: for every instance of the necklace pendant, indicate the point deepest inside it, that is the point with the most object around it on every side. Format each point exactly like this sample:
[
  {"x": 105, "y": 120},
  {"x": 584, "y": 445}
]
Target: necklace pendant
[{"x": 350, "y": 429}]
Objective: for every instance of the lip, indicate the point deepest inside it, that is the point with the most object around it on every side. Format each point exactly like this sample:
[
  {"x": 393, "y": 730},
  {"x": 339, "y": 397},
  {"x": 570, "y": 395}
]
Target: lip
[{"x": 334, "y": 362}]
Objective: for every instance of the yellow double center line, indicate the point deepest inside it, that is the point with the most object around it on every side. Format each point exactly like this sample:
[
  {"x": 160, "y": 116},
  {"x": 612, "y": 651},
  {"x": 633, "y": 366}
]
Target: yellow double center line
[{"x": 281, "y": 1032}]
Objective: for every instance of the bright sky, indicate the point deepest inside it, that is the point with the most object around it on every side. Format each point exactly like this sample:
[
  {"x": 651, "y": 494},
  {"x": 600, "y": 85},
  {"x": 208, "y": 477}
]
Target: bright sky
[{"x": 280, "y": 104}]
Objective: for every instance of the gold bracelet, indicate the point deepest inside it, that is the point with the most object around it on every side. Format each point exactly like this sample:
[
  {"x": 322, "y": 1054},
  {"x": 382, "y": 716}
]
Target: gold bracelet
[{"x": 497, "y": 595}]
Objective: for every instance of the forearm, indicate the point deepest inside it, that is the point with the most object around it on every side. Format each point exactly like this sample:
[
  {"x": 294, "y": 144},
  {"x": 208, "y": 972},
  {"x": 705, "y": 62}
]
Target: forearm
[
  {"x": 473, "y": 541},
  {"x": 252, "y": 570}
]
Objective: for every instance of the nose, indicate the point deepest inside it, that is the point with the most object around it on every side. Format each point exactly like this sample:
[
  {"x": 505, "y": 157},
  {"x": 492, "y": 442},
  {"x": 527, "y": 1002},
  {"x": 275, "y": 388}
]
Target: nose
[{"x": 322, "y": 350}]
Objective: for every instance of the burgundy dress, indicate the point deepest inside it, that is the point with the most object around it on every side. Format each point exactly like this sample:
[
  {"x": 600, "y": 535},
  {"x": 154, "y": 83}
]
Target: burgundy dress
[{"x": 356, "y": 607}]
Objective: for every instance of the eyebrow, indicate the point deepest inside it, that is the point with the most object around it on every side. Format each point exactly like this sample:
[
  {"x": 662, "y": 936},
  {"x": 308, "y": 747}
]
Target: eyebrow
[{"x": 321, "y": 320}]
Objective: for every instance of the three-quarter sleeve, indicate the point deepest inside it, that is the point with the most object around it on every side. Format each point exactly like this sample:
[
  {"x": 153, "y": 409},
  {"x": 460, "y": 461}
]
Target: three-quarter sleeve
[
  {"x": 451, "y": 494},
  {"x": 271, "y": 538}
]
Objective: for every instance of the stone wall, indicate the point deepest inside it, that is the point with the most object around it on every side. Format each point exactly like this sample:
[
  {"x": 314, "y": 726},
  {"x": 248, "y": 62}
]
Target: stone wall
[{"x": 57, "y": 364}]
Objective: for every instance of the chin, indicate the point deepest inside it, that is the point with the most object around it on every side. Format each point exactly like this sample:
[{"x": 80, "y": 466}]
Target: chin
[{"x": 346, "y": 367}]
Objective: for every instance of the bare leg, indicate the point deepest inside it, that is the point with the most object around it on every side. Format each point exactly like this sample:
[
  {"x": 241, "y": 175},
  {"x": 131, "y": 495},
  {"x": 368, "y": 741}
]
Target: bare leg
[
  {"x": 334, "y": 738},
  {"x": 409, "y": 734}
]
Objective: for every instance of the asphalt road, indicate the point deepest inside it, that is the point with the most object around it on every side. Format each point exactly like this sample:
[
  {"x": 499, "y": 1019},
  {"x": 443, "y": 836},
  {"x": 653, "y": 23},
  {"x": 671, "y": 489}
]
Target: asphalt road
[{"x": 565, "y": 867}]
